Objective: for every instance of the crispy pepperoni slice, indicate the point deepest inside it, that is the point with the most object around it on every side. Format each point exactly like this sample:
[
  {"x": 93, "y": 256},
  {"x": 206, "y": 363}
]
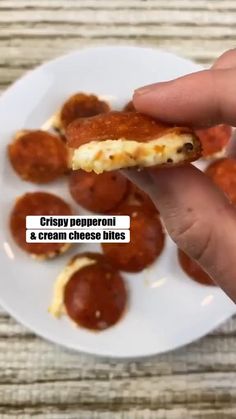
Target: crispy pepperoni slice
[
  {"x": 98, "y": 193},
  {"x": 146, "y": 241},
  {"x": 37, "y": 203},
  {"x": 95, "y": 296},
  {"x": 117, "y": 140},
  {"x": 223, "y": 174},
  {"x": 129, "y": 107},
  {"x": 193, "y": 269},
  {"x": 81, "y": 105},
  {"x": 214, "y": 139},
  {"x": 38, "y": 156},
  {"x": 115, "y": 125},
  {"x": 136, "y": 196}
]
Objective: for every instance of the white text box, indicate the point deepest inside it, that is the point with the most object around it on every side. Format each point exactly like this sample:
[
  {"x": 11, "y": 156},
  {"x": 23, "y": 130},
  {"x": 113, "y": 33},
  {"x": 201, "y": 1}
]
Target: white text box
[
  {"x": 77, "y": 236},
  {"x": 78, "y": 221}
]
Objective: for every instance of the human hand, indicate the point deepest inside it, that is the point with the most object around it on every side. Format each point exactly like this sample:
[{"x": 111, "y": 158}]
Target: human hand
[{"x": 197, "y": 215}]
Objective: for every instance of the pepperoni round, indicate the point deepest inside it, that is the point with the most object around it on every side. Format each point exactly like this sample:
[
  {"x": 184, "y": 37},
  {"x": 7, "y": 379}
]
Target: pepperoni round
[
  {"x": 81, "y": 105},
  {"x": 95, "y": 296},
  {"x": 98, "y": 193},
  {"x": 129, "y": 107},
  {"x": 223, "y": 174},
  {"x": 136, "y": 196},
  {"x": 38, "y": 156},
  {"x": 193, "y": 269},
  {"x": 146, "y": 241},
  {"x": 214, "y": 139},
  {"x": 115, "y": 125},
  {"x": 37, "y": 203}
]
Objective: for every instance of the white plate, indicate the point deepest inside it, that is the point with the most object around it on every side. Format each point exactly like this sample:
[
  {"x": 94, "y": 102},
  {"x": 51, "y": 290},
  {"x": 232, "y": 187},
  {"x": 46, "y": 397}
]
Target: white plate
[{"x": 166, "y": 308}]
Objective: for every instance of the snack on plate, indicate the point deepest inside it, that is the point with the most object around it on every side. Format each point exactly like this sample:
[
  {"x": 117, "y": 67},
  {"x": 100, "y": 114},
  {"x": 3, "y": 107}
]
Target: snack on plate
[
  {"x": 116, "y": 140},
  {"x": 80, "y": 105},
  {"x": 90, "y": 291},
  {"x": 37, "y": 203},
  {"x": 146, "y": 241},
  {"x": 214, "y": 140},
  {"x": 223, "y": 174},
  {"x": 38, "y": 156},
  {"x": 193, "y": 269},
  {"x": 98, "y": 193}
]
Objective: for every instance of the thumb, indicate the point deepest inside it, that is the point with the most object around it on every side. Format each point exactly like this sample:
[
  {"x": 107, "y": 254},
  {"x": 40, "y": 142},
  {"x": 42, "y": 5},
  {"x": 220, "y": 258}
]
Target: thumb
[{"x": 199, "y": 99}]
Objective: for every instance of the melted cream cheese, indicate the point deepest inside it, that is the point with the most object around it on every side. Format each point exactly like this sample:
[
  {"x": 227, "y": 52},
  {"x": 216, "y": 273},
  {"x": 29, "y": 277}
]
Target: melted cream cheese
[
  {"x": 100, "y": 156},
  {"x": 57, "y": 306}
]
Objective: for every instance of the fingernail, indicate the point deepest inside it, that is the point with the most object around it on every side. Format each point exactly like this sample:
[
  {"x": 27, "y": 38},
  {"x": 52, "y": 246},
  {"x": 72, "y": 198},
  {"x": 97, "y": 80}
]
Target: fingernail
[{"x": 143, "y": 90}]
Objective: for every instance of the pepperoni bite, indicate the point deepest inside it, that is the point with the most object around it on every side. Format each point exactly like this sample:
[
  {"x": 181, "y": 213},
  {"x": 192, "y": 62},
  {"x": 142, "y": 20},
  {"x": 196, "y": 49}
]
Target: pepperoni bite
[
  {"x": 95, "y": 296},
  {"x": 214, "y": 139},
  {"x": 80, "y": 105},
  {"x": 146, "y": 241},
  {"x": 37, "y": 203},
  {"x": 38, "y": 156},
  {"x": 117, "y": 140},
  {"x": 129, "y": 107},
  {"x": 223, "y": 174},
  {"x": 98, "y": 193},
  {"x": 193, "y": 269},
  {"x": 115, "y": 125}
]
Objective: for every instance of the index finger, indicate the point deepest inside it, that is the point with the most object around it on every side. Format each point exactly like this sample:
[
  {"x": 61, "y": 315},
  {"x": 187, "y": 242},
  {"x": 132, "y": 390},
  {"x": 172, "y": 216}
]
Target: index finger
[{"x": 200, "y": 99}]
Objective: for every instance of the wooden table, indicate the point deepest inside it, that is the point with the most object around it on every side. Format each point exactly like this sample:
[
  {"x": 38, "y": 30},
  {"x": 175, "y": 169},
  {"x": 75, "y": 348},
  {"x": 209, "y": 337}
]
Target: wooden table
[{"x": 38, "y": 379}]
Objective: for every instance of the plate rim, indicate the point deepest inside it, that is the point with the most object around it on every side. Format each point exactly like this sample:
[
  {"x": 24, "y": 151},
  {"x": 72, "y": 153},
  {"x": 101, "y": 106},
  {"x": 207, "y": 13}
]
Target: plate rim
[{"x": 108, "y": 355}]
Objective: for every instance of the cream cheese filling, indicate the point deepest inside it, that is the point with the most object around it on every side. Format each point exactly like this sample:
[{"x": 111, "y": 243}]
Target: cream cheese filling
[
  {"x": 100, "y": 156},
  {"x": 57, "y": 307}
]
